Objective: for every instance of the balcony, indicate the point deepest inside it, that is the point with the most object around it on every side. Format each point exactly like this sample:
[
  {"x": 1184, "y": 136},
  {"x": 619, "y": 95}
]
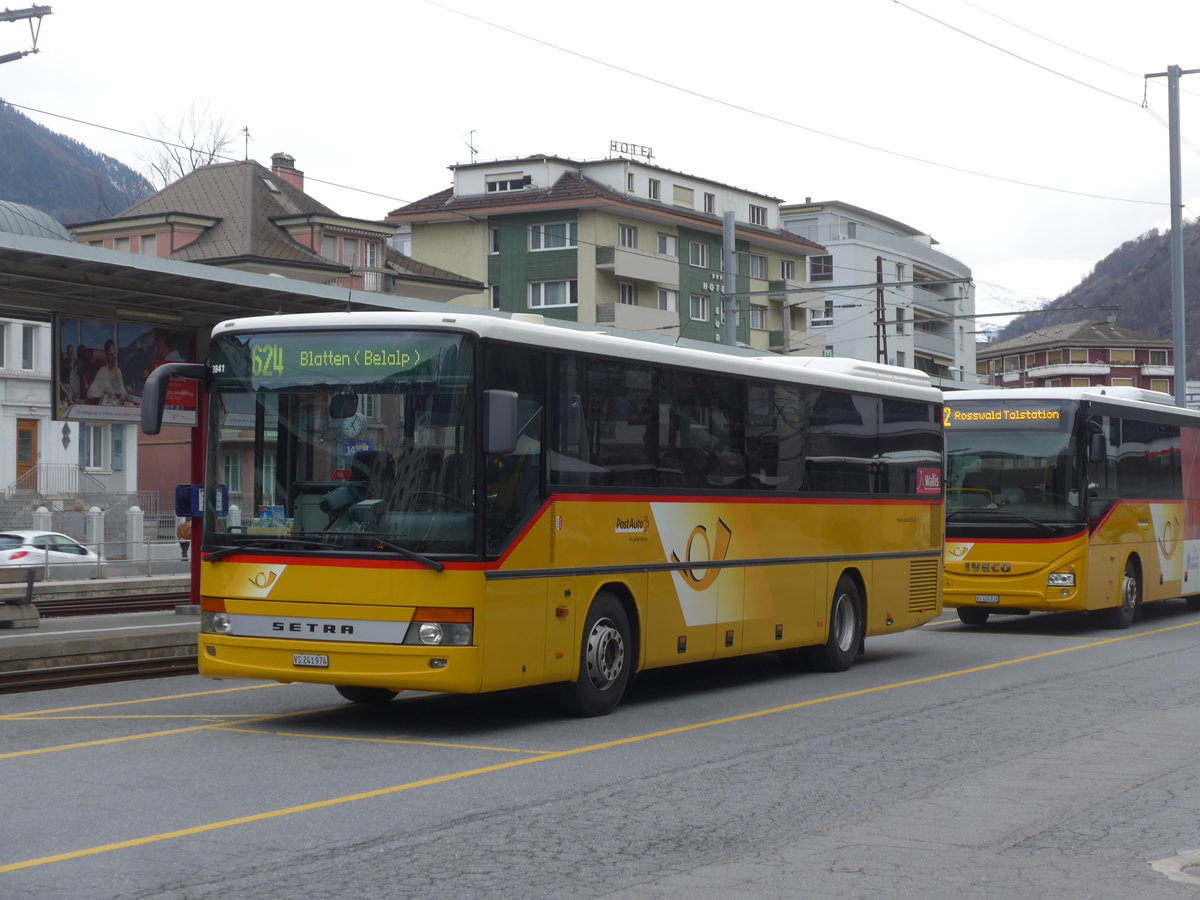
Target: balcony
[
  {"x": 932, "y": 343},
  {"x": 636, "y": 265},
  {"x": 808, "y": 298},
  {"x": 376, "y": 280},
  {"x": 638, "y": 318},
  {"x": 1067, "y": 370},
  {"x": 800, "y": 343}
]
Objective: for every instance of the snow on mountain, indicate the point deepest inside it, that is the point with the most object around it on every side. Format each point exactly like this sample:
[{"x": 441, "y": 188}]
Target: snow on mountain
[{"x": 996, "y": 306}]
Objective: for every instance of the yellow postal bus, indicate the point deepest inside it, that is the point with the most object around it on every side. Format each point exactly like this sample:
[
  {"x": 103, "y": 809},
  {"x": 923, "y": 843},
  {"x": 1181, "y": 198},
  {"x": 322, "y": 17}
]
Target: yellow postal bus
[
  {"x": 461, "y": 502},
  {"x": 1070, "y": 499}
]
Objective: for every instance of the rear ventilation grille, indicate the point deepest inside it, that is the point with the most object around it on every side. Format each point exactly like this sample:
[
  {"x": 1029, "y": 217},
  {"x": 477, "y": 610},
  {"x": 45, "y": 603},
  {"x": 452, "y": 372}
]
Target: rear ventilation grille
[{"x": 923, "y": 577}]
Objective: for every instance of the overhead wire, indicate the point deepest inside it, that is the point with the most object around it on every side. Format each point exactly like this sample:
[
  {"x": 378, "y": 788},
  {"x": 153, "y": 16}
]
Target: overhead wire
[{"x": 779, "y": 120}]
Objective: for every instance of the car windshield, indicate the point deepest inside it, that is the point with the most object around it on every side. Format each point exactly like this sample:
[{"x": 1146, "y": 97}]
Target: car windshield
[
  {"x": 1014, "y": 460},
  {"x": 343, "y": 440},
  {"x": 9, "y": 541}
]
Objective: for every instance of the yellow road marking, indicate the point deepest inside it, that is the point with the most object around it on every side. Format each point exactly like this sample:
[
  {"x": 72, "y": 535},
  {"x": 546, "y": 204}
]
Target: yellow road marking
[
  {"x": 339, "y": 737},
  {"x": 561, "y": 754},
  {"x": 111, "y": 703},
  {"x": 105, "y": 742}
]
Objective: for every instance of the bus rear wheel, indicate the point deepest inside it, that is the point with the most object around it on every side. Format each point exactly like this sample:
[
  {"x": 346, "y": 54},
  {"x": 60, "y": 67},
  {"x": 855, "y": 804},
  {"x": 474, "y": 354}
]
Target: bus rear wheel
[
  {"x": 1131, "y": 596},
  {"x": 356, "y": 694},
  {"x": 845, "y": 629},
  {"x": 972, "y": 615},
  {"x": 605, "y": 660}
]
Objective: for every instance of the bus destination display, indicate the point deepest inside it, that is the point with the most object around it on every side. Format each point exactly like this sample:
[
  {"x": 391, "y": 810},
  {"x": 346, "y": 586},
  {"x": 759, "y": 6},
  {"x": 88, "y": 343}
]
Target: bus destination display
[{"x": 994, "y": 415}]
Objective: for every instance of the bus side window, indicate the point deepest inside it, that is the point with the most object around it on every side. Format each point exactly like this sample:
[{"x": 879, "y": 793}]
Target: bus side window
[{"x": 513, "y": 480}]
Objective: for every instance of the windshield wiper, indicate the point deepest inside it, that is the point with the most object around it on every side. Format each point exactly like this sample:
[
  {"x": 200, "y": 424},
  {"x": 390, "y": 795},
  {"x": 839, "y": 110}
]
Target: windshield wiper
[
  {"x": 990, "y": 515},
  {"x": 377, "y": 538},
  {"x": 261, "y": 544}
]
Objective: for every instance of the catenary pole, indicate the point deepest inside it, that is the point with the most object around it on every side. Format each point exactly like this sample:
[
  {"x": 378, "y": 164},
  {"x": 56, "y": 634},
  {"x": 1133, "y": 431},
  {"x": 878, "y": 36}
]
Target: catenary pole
[
  {"x": 1177, "y": 294},
  {"x": 729, "y": 301}
]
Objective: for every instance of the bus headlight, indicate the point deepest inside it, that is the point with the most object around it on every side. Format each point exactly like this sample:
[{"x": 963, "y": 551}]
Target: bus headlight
[
  {"x": 1061, "y": 579},
  {"x": 441, "y": 627},
  {"x": 215, "y": 623}
]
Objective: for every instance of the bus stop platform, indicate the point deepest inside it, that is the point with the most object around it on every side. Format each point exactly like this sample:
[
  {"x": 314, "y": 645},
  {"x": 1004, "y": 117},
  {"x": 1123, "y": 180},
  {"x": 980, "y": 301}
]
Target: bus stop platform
[{"x": 36, "y": 648}]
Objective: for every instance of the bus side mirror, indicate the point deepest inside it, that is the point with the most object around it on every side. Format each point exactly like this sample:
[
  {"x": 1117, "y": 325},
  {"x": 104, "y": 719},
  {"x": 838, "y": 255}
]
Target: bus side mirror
[
  {"x": 154, "y": 392},
  {"x": 501, "y": 421},
  {"x": 1097, "y": 448}
]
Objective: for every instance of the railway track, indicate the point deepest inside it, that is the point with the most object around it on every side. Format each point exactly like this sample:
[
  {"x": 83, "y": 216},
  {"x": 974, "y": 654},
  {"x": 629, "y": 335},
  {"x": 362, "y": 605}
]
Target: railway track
[
  {"x": 104, "y": 662},
  {"x": 96, "y": 673},
  {"x": 91, "y": 606}
]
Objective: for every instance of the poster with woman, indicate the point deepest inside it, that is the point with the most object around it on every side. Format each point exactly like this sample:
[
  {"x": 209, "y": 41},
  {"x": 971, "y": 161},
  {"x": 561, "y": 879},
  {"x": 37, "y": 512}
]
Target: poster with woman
[{"x": 103, "y": 366}]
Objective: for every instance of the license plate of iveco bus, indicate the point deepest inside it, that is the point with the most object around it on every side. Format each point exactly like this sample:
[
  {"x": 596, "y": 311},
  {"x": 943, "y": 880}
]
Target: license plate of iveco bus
[
  {"x": 311, "y": 660},
  {"x": 979, "y": 598}
]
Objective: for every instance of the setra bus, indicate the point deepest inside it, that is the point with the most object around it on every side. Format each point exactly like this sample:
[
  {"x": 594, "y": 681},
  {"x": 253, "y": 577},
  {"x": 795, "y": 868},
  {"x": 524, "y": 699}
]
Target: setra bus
[
  {"x": 468, "y": 503},
  {"x": 1070, "y": 499}
]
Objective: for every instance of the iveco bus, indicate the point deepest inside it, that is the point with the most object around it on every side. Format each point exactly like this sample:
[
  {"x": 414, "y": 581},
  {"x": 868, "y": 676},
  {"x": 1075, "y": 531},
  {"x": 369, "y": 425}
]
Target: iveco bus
[{"x": 1070, "y": 499}]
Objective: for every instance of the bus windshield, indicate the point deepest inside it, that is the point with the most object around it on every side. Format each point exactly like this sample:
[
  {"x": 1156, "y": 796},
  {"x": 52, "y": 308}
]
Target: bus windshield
[
  {"x": 1013, "y": 460},
  {"x": 343, "y": 440}
]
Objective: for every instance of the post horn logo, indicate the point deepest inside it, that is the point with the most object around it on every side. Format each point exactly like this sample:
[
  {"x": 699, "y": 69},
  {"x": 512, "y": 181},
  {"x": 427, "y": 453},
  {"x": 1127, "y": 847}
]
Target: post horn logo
[
  {"x": 263, "y": 580},
  {"x": 706, "y": 576}
]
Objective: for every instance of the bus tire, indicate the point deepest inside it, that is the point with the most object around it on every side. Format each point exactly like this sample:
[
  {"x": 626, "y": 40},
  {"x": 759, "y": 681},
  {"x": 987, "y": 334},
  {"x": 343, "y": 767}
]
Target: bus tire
[
  {"x": 972, "y": 615},
  {"x": 838, "y": 652},
  {"x": 1131, "y": 597},
  {"x": 1193, "y": 602},
  {"x": 605, "y": 660},
  {"x": 356, "y": 694}
]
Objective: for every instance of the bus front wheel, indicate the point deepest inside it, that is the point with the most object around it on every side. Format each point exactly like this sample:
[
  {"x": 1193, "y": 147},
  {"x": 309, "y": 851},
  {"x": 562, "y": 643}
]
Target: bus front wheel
[
  {"x": 1131, "y": 595},
  {"x": 605, "y": 660},
  {"x": 972, "y": 615},
  {"x": 356, "y": 694}
]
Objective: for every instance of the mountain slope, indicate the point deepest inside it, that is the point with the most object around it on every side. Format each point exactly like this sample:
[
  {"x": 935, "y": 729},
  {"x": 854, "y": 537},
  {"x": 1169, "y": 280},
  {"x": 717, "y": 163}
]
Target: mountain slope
[
  {"x": 1135, "y": 279},
  {"x": 59, "y": 175}
]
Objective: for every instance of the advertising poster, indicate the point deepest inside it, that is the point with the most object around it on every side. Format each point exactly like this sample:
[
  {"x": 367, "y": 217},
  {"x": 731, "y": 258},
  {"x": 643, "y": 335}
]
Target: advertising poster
[{"x": 102, "y": 368}]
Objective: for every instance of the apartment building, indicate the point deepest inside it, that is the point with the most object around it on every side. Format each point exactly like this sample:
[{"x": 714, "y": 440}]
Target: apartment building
[
  {"x": 890, "y": 295},
  {"x": 1079, "y": 354},
  {"x": 623, "y": 243}
]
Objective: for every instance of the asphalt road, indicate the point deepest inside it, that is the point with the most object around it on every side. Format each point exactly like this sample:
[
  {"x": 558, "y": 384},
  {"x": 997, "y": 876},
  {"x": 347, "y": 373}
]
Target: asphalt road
[{"x": 1034, "y": 757}]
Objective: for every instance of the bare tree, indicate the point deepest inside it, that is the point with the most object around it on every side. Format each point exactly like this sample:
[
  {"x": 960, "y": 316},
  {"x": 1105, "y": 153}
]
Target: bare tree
[{"x": 198, "y": 140}]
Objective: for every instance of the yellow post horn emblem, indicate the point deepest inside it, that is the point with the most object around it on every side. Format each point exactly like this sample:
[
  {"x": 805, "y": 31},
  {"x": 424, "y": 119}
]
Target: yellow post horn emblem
[{"x": 708, "y": 575}]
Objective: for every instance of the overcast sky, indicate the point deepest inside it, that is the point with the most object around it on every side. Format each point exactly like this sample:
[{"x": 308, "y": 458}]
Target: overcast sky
[{"x": 1021, "y": 134}]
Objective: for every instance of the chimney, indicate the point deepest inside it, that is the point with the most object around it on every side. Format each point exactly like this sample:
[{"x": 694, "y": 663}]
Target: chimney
[{"x": 284, "y": 166}]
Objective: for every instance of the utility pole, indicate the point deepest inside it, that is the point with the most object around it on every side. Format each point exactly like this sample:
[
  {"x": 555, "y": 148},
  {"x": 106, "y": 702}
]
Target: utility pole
[
  {"x": 1178, "y": 321},
  {"x": 881, "y": 348},
  {"x": 35, "y": 28}
]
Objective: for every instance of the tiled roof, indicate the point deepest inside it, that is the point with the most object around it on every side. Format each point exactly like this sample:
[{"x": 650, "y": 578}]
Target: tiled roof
[
  {"x": 571, "y": 191},
  {"x": 237, "y": 194},
  {"x": 1078, "y": 333},
  {"x": 240, "y": 198}
]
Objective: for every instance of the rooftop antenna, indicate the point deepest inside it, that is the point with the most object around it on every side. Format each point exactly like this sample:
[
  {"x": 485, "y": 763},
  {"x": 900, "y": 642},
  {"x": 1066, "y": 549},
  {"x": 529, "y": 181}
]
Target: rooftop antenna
[
  {"x": 471, "y": 144},
  {"x": 246, "y": 132}
]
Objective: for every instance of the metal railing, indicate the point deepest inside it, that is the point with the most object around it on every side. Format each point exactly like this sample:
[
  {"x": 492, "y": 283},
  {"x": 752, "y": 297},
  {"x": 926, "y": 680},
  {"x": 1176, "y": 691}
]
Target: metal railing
[{"x": 142, "y": 558}]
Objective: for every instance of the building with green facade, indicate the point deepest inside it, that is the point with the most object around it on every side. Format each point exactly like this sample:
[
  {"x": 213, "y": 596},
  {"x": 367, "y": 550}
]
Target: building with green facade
[{"x": 619, "y": 242}]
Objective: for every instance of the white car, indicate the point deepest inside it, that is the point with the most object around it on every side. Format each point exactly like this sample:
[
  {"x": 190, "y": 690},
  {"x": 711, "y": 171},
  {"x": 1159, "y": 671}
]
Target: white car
[{"x": 37, "y": 548}]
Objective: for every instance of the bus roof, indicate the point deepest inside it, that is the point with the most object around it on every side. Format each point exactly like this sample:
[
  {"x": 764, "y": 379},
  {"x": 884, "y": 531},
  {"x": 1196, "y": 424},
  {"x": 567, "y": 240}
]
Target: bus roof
[
  {"x": 1122, "y": 395},
  {"x": 837, "y": 373}
]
